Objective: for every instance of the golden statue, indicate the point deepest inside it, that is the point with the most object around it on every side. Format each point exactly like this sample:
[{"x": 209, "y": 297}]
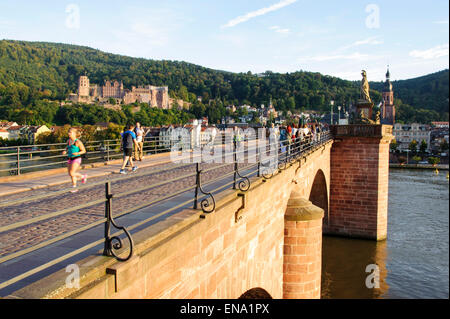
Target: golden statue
[{"x": 365, "y": 88}]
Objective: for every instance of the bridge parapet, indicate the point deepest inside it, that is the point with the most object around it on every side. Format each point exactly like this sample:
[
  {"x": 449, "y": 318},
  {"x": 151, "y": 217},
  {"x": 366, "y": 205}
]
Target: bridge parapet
[{"x": 361, "y": 130}]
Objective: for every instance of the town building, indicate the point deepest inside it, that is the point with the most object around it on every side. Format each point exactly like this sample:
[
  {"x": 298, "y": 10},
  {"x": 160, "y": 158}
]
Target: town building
[
  {"x": 15, "y": 132},
  {"x": 439, "y": 134},
  {"x": 4, "y": 134},
  {"x": 89, "y": 93},
  {"x": 440, "y": 125},
  {"x": 405, "y": 133},
  {"x": 32, "y": 132},
  {"x": 6, "y": 125}
]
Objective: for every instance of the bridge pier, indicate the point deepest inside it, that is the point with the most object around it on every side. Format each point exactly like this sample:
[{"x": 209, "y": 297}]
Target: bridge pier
[
  {"x": 302, "y": 260},
  {"x": 359, "y": 181}
]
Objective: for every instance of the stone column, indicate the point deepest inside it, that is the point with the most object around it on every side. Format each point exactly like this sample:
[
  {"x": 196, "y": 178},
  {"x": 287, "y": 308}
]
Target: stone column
[
  {"x": 359, "y": 178},
  {"x": 302, "y": 260}
]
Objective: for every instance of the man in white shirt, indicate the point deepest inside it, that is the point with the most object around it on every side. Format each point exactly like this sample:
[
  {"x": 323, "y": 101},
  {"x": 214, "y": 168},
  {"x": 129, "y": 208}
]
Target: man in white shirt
[{"x": 139, "y": 146}]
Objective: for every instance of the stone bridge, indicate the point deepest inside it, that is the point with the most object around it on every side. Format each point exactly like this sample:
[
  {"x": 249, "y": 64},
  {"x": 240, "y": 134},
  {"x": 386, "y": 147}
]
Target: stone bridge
[{"x": 266, "y": 242}]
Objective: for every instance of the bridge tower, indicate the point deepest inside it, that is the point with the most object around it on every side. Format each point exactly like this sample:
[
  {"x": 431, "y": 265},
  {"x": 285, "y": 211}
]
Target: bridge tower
[{"x": 359, "y": 178}]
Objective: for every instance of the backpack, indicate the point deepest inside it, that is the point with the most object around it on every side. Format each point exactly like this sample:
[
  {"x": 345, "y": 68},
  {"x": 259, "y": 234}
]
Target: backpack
[{"x": 127, "y": 140}]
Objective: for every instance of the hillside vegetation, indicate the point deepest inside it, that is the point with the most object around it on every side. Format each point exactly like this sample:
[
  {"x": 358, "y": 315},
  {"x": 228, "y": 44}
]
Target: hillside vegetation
[{"x": 34, "y": 75}]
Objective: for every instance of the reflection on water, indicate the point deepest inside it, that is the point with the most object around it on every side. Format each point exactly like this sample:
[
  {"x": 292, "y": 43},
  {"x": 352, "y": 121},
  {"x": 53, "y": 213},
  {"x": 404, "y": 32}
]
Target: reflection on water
[
  {"x": 413, "y": 261},
  {"x": 344, "y": 270}
]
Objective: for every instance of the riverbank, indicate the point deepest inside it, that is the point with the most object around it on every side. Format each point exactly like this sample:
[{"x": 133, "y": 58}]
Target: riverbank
[{"x": 420, "y": 166}]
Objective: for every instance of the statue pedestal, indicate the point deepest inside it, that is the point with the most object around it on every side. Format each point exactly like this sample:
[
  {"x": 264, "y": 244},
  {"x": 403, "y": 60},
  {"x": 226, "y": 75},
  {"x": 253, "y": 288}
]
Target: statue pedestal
[{"x": 365, "y": 107}]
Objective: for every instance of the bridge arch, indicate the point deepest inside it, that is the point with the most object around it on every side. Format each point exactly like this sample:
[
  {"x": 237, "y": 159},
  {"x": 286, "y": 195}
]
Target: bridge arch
[
  {"x": 256, "y": 293},
  {"x": 319, "y": 193}
]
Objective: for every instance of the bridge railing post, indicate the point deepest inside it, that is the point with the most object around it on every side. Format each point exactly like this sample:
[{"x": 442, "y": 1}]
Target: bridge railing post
[
  {"x": 197, "y": 185},
  {"x": 208, "y": 205},
  {"x": 108, "y": 197},
  {"x": 109, "y": 245},
  {"x": 18, "y": 160}
]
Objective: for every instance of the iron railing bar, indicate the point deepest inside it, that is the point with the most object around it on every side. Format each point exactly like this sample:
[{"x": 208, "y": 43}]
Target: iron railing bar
[
  {"x": 118, "y": 195},
  {"x": 41, "y": 151},
  {"x": 150, "y": 203},
  {"x": 169, "y": 196},
  {"x": 41, "y": 158},
  {"x": 159, "y": 214},
  {"x": 11, "y": 162},
  {"x": 37, "y": 197},
  {"x": 227, "y": 175},
  {"x": 40, "y": 165}
]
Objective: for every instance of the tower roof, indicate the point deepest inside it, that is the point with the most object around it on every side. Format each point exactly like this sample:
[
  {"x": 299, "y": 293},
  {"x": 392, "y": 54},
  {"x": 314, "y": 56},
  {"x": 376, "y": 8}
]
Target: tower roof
[{"x": 387, "y": 85}]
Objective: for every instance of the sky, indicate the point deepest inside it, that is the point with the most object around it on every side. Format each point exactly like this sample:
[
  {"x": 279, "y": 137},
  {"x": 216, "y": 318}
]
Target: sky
[{"x": 337, "y": 38}]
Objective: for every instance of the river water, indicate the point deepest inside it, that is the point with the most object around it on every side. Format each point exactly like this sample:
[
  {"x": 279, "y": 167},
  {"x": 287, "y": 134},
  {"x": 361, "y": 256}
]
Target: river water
[{"x": 413, "y": 261}]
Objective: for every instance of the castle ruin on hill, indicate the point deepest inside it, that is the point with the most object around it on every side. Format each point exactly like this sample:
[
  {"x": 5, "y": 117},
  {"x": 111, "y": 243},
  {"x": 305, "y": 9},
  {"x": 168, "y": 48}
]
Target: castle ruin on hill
[{"x": 155, "y": 96}]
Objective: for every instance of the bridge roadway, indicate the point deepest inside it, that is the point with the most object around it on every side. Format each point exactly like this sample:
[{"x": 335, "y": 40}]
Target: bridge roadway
[{"x": 150, "y": 172}]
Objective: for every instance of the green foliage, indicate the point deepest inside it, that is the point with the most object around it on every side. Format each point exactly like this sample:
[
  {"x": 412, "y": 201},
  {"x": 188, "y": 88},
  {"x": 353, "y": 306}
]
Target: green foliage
[
  {"x": 423, "y": 146},
  {"x": 413, "y": 146},
  {"x": 394, "y": 145},
  {"x": 34, "y": 75},
  {"x": 433, "y": 160},
  {"x": 416, "y": 158}
]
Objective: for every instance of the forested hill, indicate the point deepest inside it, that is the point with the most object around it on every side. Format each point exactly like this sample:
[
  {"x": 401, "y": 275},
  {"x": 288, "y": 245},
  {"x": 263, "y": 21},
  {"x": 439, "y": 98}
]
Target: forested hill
[
  {"x": 427, "y": 92},
  {"x": 38, "y": 70}
]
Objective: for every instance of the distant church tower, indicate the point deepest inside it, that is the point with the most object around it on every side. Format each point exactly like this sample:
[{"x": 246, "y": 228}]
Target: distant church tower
[{"x": 388, "y": 107}]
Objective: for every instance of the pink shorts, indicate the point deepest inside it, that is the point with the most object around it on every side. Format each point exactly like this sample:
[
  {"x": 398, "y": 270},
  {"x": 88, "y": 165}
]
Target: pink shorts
[{"x": 74, "y": 160}]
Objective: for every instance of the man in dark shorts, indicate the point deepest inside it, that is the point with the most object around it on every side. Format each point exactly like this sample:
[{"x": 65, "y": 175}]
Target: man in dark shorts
[{"x": 128, "y": 142}]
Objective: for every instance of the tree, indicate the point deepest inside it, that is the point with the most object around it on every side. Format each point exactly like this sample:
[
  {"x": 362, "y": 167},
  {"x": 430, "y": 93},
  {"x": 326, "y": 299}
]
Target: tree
[
  {"x": 423, "y": 146},
  {"x": 413, "y": 146},
  {"x": 433, "y": 160},
  {"x": 394, "y": 145},
  {"x": 444, "y": 146},
  {"x": 416, "y": 158}
]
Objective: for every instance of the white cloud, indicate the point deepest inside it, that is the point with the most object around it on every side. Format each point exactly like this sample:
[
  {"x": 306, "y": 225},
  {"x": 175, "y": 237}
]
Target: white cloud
[
  {"x": 370, "y": 41},
  {"x": 257, "y": 13},
  {"x": 433, "y": 53},
  {"x": 279, "y": 30}
]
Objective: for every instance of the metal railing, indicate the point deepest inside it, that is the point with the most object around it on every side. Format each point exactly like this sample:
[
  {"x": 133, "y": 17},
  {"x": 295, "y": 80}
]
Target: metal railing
[
  {"x": 29, "y": 158},
  {"x": 113, "y": 245}
]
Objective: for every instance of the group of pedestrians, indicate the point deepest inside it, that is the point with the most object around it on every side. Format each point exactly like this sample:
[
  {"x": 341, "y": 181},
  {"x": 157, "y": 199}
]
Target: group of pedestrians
[
  {"x": 132, "y": 140},
  {"x": 293, "y": 138}
]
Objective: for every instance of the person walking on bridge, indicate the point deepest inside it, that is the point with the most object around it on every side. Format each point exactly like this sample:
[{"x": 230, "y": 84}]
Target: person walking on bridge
[
  {"x": 139, "y": 145},
  {"x": 128, "y": 141},
  {"x": 74, "y": 150}
]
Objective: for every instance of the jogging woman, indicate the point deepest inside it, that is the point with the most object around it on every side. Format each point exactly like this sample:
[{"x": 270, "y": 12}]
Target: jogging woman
[{"x": 74, "y": 150}]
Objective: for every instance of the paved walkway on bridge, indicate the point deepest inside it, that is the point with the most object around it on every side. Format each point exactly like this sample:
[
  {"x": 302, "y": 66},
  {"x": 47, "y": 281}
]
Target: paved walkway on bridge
[{"x": 27, "y": 182}]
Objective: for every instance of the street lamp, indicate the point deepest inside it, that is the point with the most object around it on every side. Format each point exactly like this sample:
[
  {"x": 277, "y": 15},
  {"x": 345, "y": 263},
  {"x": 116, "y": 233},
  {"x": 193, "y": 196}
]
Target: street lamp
[
  {"x": 331, "y": 118},
  {"x": 339, "y": 118},
  {"x": 407, "y": 153}
]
